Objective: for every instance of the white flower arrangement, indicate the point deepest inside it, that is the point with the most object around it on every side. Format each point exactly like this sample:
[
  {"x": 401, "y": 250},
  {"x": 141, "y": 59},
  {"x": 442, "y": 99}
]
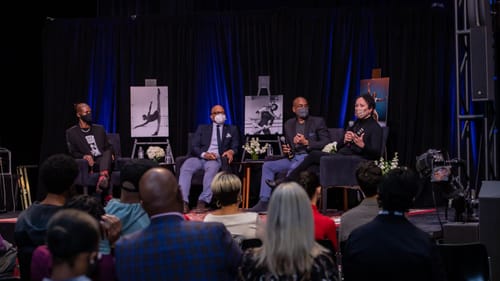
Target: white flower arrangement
[
  {"x": 386, "y": 166},
  {"x": 253, "y": 147},
  {"x": 330, "y": 148},
  {"x": 156, "y": 153}
]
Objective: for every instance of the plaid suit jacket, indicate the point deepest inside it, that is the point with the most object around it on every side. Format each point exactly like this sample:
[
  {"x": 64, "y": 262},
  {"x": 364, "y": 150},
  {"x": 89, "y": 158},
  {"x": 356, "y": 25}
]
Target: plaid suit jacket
[{"x": 171, "y": 248}]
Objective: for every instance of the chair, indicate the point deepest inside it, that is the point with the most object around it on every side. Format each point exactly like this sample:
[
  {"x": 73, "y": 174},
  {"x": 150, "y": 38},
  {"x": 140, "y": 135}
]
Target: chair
[
  {"x": 340, "y": 171},
  {"x": 465, "y": 261},
  {"x": 250, "y": 243},
  {"x": 86, "y": 179}
]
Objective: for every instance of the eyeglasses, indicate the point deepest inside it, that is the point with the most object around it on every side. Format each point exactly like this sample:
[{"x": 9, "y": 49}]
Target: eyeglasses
[
  {"x": 218, "y": 112},
  {"x": 301, "y": 105}
]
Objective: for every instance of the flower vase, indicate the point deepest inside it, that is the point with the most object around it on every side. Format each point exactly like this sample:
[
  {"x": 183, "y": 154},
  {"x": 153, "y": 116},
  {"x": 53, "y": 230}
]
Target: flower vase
[{"x": 255, "y": 156}]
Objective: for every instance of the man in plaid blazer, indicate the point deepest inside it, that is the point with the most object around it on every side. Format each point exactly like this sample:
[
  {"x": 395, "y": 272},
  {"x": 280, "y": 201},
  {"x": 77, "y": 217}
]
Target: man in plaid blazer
[{"x": 171, "y": 248}]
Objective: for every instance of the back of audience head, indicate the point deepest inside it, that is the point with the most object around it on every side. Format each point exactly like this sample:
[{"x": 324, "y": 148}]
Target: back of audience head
[
  {"x": 289, "y": 236},
  {"x": 159, "y": 192},
  {"x": 226, "y": 188},
  {"x": 398, "y": 189},
  {"x": 72, "y": 233},
  {"x": 310, "y": 182},
  {"x": 58, "y": 173},
  {"x": 132, "y": 171},
  {"x": 368, "y": 175},
  {"x": 88, "y": 204}
]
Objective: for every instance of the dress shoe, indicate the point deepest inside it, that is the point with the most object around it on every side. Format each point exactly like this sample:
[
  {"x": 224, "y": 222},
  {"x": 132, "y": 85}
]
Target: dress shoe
[
  {"x": 186, "y": 208},
  {"x": 274, "y": 183},
  {"x": 260, "y": 207},
  {"x": 201, "y": 207}
]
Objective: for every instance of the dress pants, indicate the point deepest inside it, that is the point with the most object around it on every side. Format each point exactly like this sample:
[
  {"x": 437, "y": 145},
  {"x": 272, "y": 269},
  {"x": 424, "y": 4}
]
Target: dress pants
[{"x": 190, "y": 166}]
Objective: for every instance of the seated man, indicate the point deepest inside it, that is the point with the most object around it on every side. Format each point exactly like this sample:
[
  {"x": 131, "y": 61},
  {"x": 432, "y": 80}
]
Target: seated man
[
  {"x": 209, "y": 145},
  {"x": 171, "y": 248},
  {"x": 57, "y": 174},
  {"x": 89, "y": 141},
  {"x": 390, "y": 247},
  {"x": 368, "y": 176},
  {"x": 128, "y": 208},
  {"x": 363, "y": 138},
  {"x": 303, "y": 134}
]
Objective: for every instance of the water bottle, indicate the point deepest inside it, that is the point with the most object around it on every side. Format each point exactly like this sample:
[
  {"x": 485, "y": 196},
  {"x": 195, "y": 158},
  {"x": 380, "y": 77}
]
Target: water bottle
[
  {"x": 270, "y": 151},
  {"x": 140, "y": 153},
  {"x": 169, "y": 158}
]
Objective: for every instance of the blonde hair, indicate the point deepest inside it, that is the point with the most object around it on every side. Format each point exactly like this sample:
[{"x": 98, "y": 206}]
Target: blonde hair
[{"x": 226, "y": 188}]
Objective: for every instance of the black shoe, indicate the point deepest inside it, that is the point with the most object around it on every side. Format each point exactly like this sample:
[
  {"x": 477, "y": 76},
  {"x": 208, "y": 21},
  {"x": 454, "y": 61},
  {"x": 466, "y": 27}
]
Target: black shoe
[
  {"x": 275, "y": 183},
  {"x": 201, "y": 207},
  {"x": 260, "y": 207},
  {"x": 186, "y": 208}
]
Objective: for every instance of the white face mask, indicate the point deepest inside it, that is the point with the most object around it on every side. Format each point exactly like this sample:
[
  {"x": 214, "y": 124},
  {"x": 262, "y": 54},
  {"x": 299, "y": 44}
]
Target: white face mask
[{"x": 220, "y": 118}]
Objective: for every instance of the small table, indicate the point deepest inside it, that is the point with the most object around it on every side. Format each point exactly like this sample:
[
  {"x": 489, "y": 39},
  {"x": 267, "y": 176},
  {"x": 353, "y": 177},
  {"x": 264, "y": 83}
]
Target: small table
[{"x": 247, "y": 166}]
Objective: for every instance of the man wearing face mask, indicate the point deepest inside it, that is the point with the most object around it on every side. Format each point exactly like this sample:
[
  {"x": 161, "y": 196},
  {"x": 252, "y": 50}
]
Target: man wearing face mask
[
  {"x": 362, "y": 138},
  {"x": 89, "y": 141},
  {"x": 211, "y": 145},
  {"x": 303, "y": 134}
]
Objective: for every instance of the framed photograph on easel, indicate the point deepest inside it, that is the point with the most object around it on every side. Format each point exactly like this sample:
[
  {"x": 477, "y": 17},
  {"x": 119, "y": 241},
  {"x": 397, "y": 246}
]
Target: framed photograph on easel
[
  {"x": 149, "y": 111},
  {"x": 264, "y": 115},
  {"x": 379, "y": 89}
]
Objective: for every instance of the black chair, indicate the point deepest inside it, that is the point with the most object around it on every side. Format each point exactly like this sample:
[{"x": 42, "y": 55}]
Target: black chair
[
  {"x": 465, "y": 261},
  {"x": 340, "y": 171},
  {"x": 250, "y": 243}
]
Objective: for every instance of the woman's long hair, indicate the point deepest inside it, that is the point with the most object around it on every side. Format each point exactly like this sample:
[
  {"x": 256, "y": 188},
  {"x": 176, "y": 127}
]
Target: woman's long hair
[{"x": 288, "y": 243}]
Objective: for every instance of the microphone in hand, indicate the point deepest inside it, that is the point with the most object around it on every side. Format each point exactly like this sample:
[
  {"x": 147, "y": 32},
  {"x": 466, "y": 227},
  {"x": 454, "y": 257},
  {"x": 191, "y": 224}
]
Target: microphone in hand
[{"x": 284, "y": 142}]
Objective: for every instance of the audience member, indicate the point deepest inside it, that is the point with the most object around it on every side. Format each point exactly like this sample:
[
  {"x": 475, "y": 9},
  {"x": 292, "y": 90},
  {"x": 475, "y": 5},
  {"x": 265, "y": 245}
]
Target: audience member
[
  {"x": 324, "y": 227},
  {"x": 211, "y": 145},
  {"x": 57, "y": 174},
  {"x": 89, "y": 141},
  {"x": 226, "y": 188},
  {"x": 8, "y": 254},
  {"x": 171, "y": 248},
  {"x": 73, "y": 240},
  {"x": 363, "y": 138},
  {"x": 41, "y": 263},
  {"x": 303, "y": 134},
  {"x": 368, "y": 175},
  {"x": 128, "y": 208},
  {"x": 289, "y": 250},
  {"x": 390, "y": 247}
]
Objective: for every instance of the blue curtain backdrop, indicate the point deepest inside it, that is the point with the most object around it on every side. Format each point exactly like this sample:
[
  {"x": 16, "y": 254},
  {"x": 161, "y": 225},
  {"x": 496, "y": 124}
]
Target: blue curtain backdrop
[
  {"x": 216, "y": 58},
  {"x": 212, "y": 52}
]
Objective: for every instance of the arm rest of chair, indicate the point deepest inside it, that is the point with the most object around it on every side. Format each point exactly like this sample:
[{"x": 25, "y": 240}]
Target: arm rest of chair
[
  {"x": 179, "y": 160},
  {"x": 83, "y": 175},
  {"x": 339, "y": 170},
  {"x": 120, "y": 162}
]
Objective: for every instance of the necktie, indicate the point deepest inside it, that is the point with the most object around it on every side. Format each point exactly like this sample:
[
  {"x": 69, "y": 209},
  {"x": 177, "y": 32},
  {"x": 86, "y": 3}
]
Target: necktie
[{"x": 219, "y": 140}]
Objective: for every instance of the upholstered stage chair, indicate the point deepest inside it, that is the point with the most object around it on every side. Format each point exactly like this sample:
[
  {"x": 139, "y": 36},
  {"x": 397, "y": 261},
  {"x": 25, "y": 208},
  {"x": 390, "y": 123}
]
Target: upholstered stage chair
[
  {"x": 340, "y": 171},
  {"x": 86, "y": 179}
]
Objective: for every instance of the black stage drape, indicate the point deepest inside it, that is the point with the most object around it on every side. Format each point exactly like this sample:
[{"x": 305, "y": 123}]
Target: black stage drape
[{"x": 214, "y": 54}]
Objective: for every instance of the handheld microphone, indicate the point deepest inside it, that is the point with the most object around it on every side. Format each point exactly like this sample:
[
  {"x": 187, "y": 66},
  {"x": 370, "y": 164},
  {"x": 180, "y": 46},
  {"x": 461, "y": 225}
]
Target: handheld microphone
[
  {"x": 350, "y": 125},
  {"x": 283, "y": 140}
]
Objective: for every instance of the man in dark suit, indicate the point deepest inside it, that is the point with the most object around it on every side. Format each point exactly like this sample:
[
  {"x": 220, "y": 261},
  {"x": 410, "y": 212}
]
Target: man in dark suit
[
  {"x": 89, "y": 141},
  {"x": 209, "y": 149},
  {"x": 390, "y": 247},
  {"x": 171, "y": 248},
  {"x": 303, "y": 134}
]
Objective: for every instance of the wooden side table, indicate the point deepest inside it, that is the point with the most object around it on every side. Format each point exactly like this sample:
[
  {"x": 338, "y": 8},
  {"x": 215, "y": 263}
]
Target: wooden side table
[{"x": 247, "y": 175}]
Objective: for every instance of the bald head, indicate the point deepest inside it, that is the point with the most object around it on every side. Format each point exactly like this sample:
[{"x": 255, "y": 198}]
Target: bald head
[{"x": 159, "y": 192}]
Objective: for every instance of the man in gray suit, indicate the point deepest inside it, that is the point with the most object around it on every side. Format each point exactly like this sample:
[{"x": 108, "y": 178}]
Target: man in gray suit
[
  {"x": 210, "y": 145},
  {"x": 303, "y": 134}
]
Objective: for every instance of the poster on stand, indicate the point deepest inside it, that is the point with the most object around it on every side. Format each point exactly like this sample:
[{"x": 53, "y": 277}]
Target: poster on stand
[
  {"x": 264, "y": 115},
  {"x": 149, "y": 111},
  {"x": 379, "y": 89}
]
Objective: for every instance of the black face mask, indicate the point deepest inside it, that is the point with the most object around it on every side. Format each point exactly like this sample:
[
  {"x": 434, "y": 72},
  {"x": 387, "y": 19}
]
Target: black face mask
[{"x": 87, "y": 118}]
